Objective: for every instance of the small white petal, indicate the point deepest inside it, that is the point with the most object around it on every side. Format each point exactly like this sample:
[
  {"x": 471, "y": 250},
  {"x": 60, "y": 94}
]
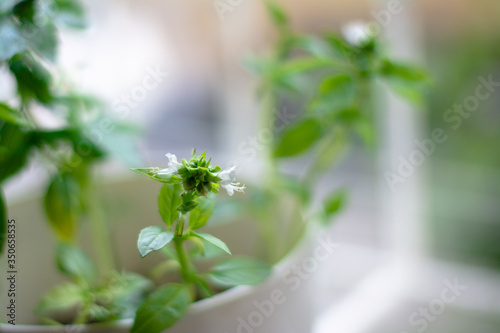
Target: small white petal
[
  {"x": 172, "y": 161},
  {"x": 167, "y": 171},
  {"x": 228, "y": 176},
  {"x": 230, "y": 188},
  {"x": 356, "y": 33}
]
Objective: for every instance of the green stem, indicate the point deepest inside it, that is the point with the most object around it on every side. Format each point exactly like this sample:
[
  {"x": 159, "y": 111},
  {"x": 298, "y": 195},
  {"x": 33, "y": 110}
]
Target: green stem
[
  {"x": 267, "y": 119},
  {"x": 179, "y": 229},
  {"x": 82, "y": 316},
  {"x": 99, "y": 231},
  {"x": 183, "y": 259}
]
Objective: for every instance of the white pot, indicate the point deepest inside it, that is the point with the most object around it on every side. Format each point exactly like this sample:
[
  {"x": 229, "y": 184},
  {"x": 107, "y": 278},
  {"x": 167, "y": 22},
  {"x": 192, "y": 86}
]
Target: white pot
[{"x": 282, "y": 304}]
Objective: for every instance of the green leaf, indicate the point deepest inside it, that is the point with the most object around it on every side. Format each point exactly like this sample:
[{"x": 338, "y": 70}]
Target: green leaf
[
  {"x": 75, "y": 263},
  {"x": 335, "y": 202},
  {"x": 166, "y": 179},
  {"x": 367, "y": 131},
  {"x": 411, "y": 91},
  {"x": 14, "y": 149},
  {"x": 200, "y": 215},
  {"x": 11, "y": 116},
  {"x": 337, "y": 84},
  {"x": 402, "y": 71},
  {"x": 33, "y": 80},
  {"x": 332, "y": 146},
  {"x": 153, "y": 239},
  {"x": 340, "y": 49},
  {"x": 41, "y": 35},
  {"x": 335, "y": 92},
  {"x": 186, "y": 207},
  {"x": 315, "y": 46},
  {"x": 25, "y": 10},
  {"x": 61, "y": 298},
  {"x": 240, "y": 271},
  {"x": 71, "y": 14},
  {"x": 123, "y": 293},
  {"x": 405, "y": 80},
  {"x": 3, "y": 222},
  {"x": 11, "y": 41},
  {"x": 212, "y": 240},
  {"x": 123, "y": 284},
  {"x": 298, "y": 138},
  {"x": 63, "y": 205},
  {"x": 299, "y": 66},
  {"x": 168, "y": 201},
  {"x": 276, "y": 14},
  {"x": 162, "y": 309},
  {"x": 43, "y": 39}
]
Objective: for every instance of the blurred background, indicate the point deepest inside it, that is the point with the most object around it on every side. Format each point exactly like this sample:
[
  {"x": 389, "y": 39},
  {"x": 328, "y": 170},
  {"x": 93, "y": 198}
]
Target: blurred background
[{"x": 174, "y": 69}]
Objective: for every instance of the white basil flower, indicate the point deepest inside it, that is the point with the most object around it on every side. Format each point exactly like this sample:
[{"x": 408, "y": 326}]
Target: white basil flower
[
  {"x": 172, "y": 167},
  {"x": 228, "y": 181},
  {"x": 357, "y": 33}
]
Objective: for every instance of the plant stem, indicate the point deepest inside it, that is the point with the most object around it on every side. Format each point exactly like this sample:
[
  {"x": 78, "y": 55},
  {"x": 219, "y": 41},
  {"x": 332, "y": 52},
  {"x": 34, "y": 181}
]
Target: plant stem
[
  {"x": 99, "y": 230},
  {"x": 179, "y": 229},
  {"x": 183, "y": 259}
]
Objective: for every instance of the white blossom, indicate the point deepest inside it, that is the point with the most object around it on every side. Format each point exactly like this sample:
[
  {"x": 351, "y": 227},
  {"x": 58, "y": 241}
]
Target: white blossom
[
  {"x": 172, "y": 167},
  {"x": 228, "y": 181},
  {"x": 357, "y": 33}
]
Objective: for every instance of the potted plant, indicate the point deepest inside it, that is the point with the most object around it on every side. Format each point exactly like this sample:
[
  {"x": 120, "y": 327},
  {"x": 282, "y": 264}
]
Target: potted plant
[{"x": 330, "y": 79}]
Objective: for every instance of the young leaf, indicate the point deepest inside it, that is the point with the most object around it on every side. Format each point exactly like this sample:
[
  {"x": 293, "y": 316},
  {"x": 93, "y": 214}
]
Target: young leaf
[
  {"x": 166, "y": 179},
  {"x": 33, "y": 80},
  {"x": 240, "y": 271},
  {"x": 63, "y": 205},
  {"x": 41, "y": 38},
  {"x": 199, "y": 216},
  {"x": 411, "y": 91},
  {"x": 75, "y": 263},
  {"x": 402, "y": 71},
  {"x": 11, "y": 116},
  {"x": 334, "y": 202},
  {"x": 14, "y": 149},
  {"x": 277, "y": 14},
  {"x": 60, "y": 298},
  {"x": 186, "y": 207},
  {"x": 25, "y": 10},
  {"x": 315, "y": 46},
  {"x": 405, "y": 80},
  {"x": 299, "y": 66},
  {"x": 298, "y": 138},
  {"x": 341, "y": 50},
  {"x": 212, "y": 240},
  {"x": 168, "y": 201},
  {"x": 123, "y": 293},
  {"x": 162, "y": 309},
  {"x": 153, "y": 239}
]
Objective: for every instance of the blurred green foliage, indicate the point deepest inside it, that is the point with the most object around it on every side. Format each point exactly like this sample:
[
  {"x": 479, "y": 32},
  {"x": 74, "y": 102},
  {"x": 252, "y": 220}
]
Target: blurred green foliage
[
  {"x": 29, "y": 44},
  {"x": 465, "y": 170},
  {"x": 330, "y": 80}
]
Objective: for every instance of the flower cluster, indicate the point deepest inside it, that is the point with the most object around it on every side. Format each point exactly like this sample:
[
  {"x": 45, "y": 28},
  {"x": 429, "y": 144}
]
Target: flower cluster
[{"x": 197, "y": 176}]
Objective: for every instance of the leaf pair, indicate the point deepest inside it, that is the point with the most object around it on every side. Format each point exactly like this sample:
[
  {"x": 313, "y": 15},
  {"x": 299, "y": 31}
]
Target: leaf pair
[{"x": 154, "y": 238}]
